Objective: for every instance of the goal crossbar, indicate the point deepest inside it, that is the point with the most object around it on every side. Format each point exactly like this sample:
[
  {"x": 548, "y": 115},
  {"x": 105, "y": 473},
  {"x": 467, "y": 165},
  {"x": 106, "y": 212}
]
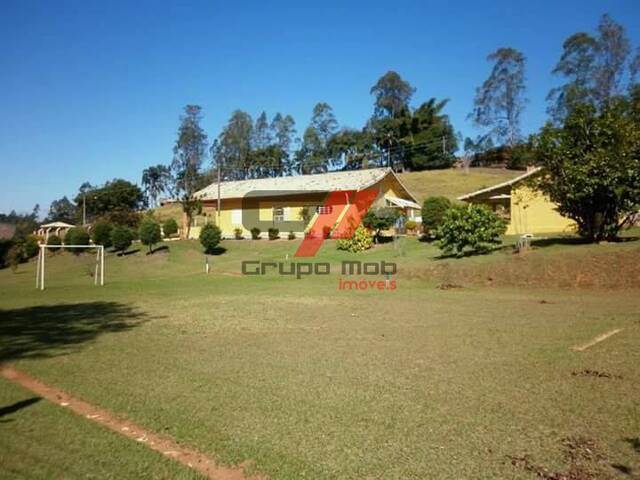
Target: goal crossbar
[{"x": 40, "y": 265}]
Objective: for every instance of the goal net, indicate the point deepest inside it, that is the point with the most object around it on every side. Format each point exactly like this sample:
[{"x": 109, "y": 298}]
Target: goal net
[{"x": 98, "y": 277}]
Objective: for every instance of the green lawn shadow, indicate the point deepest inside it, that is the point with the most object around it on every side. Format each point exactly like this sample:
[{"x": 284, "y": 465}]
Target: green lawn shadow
[{"x": 50, "y": 330}]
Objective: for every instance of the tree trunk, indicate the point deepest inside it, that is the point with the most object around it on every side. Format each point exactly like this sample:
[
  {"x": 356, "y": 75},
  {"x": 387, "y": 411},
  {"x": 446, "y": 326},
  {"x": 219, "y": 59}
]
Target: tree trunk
[{"x": 186, "y": 226}]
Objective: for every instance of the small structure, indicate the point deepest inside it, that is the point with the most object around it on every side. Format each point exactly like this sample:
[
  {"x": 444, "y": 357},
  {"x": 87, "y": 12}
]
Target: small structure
[
  {"x": 526, "y": 210},
  {"x": 54, "y": 228}
]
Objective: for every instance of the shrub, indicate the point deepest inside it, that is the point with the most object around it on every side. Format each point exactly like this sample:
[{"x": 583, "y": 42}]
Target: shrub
[
  {"x": 433, "y": 211},
  {"x": 5, "y": 246},
  {"x": 31, "y": 247},
  {"x": 380, "y": 219},
  {"x": 411, "y": 225},
  {"x": 360, "y": 241},
  {"x": 237, "y": 233},
  {"x": 474, "y": 228},
  {"x": 121, "y": 238},
  {"x": 15, "y": 255},
  {"x": 150, "y": 233},
  {"x": 76, "y": 236},
  {"x": 291, "y": 236},
  {"x": 170, "y": 227},
  {"x": 274, "y": 234},
  {"x": 255, "y": 233},
  {"x": 54, "y": 240},
  {"x": 101, "y": 233},
  {"x": 210, "y": 237}
]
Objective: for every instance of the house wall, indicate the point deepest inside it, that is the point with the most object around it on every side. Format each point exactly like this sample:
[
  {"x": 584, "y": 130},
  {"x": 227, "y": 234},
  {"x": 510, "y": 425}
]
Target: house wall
[
  {"x": 231, "y": 211},
  {"x": 533, "y": 212}
]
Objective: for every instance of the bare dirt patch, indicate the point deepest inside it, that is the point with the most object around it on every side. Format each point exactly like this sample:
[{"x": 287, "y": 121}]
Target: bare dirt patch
[
  {"x": 595, "y": 373},
  {"x": 160, "y": 443},
  {"x": 585, "y": 462}
]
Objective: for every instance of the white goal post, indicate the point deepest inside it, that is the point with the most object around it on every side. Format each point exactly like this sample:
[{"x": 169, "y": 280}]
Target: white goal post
[{"x": 99, "y": 272}]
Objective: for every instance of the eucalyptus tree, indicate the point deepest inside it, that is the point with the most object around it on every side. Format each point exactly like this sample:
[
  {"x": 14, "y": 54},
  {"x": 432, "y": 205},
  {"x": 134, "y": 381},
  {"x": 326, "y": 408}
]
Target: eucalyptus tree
[
  {"x": 500, "y": 100},
  {"x": 189, "y": 153}
]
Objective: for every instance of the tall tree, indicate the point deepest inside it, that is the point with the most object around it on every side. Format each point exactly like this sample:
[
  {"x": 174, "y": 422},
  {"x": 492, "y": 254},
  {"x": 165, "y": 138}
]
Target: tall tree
[
  {"x": 156, "y": 180},
  {"x": 188, "y": 154},
  {"x": 500, "y": 100},
  {"x": 429, "y": 139},
  {"x": 324, "y": 122},
  {"x": 595, "y": 68},
  {"x": 392, "y": 95},
  {"x": 62, "y": 210},
  {"x": 235, "y": 145},
  {"x": 312, "y": 156},
  {"x": 351, "y": 149},
  {"x": 592, "y": 167},
  {"x": 261, "y": 132},
  {"x": 577, "y": 63},
  {"x": 283, "y": 131},
  {"x": 613, "y": 54},
  {"x": 118, "y": 201}
]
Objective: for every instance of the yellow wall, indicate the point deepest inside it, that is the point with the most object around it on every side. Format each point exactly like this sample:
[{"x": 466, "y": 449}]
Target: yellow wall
[
  {"x": 533, "y": 212},
  {"x": 389, "y": 186}
]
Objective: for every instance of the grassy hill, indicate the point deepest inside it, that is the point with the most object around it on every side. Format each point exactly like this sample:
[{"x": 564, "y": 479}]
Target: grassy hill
[{"x": 454, "y": 182}]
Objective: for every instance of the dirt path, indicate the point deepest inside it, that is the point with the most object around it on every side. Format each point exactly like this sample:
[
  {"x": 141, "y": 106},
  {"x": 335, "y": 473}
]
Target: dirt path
[{"x": 160, "y": 443}]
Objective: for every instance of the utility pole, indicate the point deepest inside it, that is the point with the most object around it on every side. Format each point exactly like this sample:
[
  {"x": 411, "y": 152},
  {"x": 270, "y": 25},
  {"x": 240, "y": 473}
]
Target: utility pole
[{"x": 218, "y": 205}]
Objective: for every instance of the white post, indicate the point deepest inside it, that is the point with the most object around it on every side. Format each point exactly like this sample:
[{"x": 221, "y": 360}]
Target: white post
[
  {"x": 38, "y": 267},
  {"x": 42, "y": 272},
  {"x": 95, "y": 275},
  {"x": 102, "y": 265}
]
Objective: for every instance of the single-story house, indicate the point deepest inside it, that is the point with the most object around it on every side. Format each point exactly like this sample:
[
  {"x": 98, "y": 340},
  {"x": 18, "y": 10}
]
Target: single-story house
[
  {"x": 526, "y": 210},
  {"x": 293, "y": 203},
  {"x": 54, "y": 228}
]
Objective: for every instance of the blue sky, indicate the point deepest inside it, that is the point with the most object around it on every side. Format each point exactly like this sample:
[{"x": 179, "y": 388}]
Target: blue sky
[{"x": 93, "y": 90}]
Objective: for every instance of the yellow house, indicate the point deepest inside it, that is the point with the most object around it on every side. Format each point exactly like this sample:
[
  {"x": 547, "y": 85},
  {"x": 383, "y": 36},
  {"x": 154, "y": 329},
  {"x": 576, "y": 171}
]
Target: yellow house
[
  {"x": 527, "y": 210},
  {"x": 292, "y": 203}
]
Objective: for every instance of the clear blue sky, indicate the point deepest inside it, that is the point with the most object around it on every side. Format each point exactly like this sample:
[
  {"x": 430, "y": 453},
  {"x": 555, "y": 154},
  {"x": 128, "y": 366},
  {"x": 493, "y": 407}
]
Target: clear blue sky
[{"x": 92, "y": 90}]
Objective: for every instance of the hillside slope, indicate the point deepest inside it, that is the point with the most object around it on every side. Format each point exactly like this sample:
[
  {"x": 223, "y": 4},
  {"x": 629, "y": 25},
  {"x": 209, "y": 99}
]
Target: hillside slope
[{"x": 453, "y": 182}]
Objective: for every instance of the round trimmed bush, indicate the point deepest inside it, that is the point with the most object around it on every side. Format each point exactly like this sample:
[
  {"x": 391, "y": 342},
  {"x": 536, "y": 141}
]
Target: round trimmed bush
[
  {"x": 474, "y": 228},
  {"x": 54, "y": 240},
  {"x": 210, "y": 237},
  {"x": 433, "y": 211},
  {"x": 170, "y": 227},
  {"x": 101, "y": 233},
  {"x": 255, "y": 233},
  {"x": 150, "y": 233},
  {"x": 121, "y": 238},
  {"x": 31, "y": 247},
  {"x": 76, "y": 236},
  {"x": 274, "y": 234}
]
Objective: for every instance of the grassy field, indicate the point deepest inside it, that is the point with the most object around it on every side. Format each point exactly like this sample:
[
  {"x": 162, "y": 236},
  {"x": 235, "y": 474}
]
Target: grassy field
[{"x": 309, "y": 381}]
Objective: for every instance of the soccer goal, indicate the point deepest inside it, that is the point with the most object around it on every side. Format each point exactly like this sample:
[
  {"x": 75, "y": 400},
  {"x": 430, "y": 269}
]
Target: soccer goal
[{"x": 98, "y": 277}]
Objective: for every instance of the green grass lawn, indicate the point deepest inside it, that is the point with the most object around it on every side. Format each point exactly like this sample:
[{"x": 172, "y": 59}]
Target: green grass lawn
[{"x": 309, "y": 381}]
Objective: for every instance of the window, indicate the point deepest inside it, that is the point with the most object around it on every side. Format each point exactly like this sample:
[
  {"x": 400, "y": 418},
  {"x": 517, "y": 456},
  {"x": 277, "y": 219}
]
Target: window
[
  {"x": 278, "y": 214},
  {"x": 236, "y": 216},
  {"x": 324, "y": 210}
]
